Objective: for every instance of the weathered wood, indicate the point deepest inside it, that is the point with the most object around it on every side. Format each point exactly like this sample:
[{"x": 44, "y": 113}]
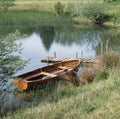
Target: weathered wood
[
  {"x": 63, "y": 67},
  {"x": 56, "y": 59},
  {"x": 107, "y": 46},
  {"x": 81, "y": 54},
  {"x": 47, "y": 74},
  {"x": 44, "y": 75},
  {"x": 101, "y": 48}
]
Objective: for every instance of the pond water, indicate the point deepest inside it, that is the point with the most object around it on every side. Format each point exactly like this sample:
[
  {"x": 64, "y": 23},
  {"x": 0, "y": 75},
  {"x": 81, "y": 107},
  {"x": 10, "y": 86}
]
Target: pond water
[
  {"x": 65, "y": 41},
  {"x": 35, "y": 49},
  {"x": 42, "y": 41}
]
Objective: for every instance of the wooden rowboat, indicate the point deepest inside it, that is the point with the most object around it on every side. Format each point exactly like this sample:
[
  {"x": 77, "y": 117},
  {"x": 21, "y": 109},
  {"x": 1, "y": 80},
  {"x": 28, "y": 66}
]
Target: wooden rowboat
[{"x": 45, "y": 74}]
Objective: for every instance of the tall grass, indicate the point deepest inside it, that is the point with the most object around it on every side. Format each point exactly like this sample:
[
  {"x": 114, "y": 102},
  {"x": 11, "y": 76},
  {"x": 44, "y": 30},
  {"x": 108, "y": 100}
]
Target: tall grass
[
  {"x": 110, "y": 59},
  {"x": 97, "y": 100}
]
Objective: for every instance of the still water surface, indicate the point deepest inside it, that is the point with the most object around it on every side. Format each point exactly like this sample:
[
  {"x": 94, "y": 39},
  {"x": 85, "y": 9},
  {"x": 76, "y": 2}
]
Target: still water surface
[
  {"x": 65, "y": 41},
  {"x": 35, "y": 50}
]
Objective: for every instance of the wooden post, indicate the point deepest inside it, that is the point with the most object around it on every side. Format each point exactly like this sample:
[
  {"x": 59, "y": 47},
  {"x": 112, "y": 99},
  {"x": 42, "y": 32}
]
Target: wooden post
[
  {"x": 81, "y": 54},
  {"x": 101, "y": 48},
  {"x": 48, "y": 60},
  {"x": 107, "y": 46},
  {"x": 76, "y": 55},
  {"x": 55, "y": 54}
]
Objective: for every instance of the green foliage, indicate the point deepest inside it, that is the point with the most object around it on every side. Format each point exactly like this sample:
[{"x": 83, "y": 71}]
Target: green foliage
[
  {"x": 88, "y": 107},
  {"x": 5, "y": 4},
  {"x": 59, "y": 8},
  {"x": 96, "y": 12},
  {"x": 107, "y": 1},
  {"x": 102, "y": 75},
  {"x": 31, "y": 17},
  {"x": 10, "y": 63},
  {"x": 70, "y": 9}
]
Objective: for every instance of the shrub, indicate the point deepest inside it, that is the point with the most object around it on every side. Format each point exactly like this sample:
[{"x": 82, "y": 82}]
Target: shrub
[
  {"x": 9, "y": 62},
  {"x": 70, "y": 9},
  {"x": 95, "y": 12},
  {"x": 59, "y": 8}
]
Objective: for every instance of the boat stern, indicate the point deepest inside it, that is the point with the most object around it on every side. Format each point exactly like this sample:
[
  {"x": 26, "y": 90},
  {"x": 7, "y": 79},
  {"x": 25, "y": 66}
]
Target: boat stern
[{"x": 21, "y": 84}]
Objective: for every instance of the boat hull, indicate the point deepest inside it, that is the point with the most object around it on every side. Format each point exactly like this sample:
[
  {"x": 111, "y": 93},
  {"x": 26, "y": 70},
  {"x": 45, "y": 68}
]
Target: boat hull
[{"x": 45, "y": 74}]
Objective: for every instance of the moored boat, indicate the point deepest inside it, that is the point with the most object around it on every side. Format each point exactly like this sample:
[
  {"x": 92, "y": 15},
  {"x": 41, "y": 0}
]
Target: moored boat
[{"x": 45, "y": 74}]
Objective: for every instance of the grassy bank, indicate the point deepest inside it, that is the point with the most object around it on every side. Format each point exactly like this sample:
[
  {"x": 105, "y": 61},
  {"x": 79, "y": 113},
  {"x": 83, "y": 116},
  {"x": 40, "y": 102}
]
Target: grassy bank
[
  {"x": 30, "y": 12},
  {"x": 98, "y": 100},
  {"x": 112, "y": 8}
]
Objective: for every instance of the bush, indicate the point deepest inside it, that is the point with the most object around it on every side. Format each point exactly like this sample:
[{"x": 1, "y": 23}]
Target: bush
[
  {"x": 96, "y": 12},
  {"x": 59, "y": 8},
  {"x": 70, "y": 9},
  {"x": 9, "y": 62}
]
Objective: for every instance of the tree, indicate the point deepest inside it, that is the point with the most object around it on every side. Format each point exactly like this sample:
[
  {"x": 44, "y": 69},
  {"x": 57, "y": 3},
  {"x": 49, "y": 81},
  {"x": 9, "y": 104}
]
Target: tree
[
  {"x": 5, "y": 4},
  {"x": 9, "y": 62}
]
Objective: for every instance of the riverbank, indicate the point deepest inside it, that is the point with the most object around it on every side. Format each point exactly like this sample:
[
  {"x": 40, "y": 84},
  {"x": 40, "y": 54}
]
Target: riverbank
[
  {"x": 99, "y": 99},
  {"x": 29, "y": 12},
  {"x": 112, "y": 9}
]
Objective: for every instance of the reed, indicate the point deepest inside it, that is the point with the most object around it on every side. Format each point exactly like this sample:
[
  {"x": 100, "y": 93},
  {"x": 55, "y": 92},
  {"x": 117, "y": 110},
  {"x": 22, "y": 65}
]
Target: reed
[{"x": 110, "y": 59}]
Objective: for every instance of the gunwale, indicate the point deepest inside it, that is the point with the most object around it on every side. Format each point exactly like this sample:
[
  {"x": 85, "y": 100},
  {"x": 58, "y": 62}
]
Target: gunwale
[{"x": 45, "y": 74}]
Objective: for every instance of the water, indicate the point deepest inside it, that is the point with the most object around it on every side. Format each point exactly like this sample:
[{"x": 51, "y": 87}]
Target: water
[
  {"x": 42, "y": 41},
  {"x": 35, "y": 49},
  {"x": 65, "y": 41}
]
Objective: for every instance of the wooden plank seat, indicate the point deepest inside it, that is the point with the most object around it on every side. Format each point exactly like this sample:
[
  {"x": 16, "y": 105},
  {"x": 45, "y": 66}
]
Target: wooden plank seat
[
  {"x": 47, "y": 74},
  {"x": 41, "y": 73},
  {"x": 57, "y": 72},
  {"x": 63, "y": 67}
]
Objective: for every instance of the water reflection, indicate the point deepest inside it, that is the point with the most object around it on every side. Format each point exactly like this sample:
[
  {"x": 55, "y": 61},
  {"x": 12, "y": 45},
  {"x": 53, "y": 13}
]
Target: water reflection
[
  {"x": 65, "y": 41},
  {"x": 47, "y": 35},
  {"x": 35, "y": 48}
]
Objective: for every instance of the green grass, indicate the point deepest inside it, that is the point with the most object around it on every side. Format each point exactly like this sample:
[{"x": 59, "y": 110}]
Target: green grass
[
  {"x": 30, "y": 17},
  {"x": 34, "y": 14},
  {"x": 46, "y": 5},
  {"x": 98, "y": 100}
]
